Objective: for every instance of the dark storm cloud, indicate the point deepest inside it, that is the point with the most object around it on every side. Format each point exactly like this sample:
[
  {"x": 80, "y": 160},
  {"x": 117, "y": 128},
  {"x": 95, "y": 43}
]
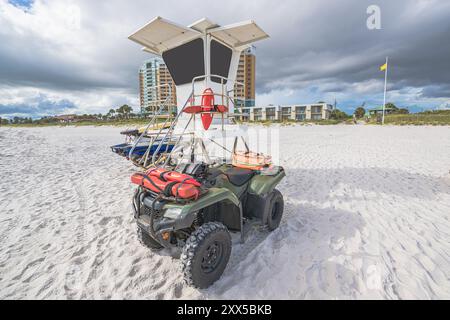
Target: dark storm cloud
[
  {"x": 333, "y": 44},
  {"x": 442, "y": 91},
  {"x": 324, "y": 44},
  {"x": 37, "y": 106}
]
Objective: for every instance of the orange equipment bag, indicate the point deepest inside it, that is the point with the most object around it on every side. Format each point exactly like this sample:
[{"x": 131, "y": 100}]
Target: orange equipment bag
[{"x": 250, "y": 160}]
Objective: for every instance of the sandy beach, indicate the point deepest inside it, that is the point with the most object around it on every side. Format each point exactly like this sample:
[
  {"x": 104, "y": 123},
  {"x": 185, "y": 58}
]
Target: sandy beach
[{"x": 367, "y": 215}]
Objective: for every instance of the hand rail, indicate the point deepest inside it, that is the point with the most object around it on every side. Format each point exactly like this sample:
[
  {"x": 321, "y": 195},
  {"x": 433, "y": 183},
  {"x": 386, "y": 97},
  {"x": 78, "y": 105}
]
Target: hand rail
[
  {"x": 161, "y": 108},
  {"x": 171, "y": 128},
  {"x": 191, "y": 99}
]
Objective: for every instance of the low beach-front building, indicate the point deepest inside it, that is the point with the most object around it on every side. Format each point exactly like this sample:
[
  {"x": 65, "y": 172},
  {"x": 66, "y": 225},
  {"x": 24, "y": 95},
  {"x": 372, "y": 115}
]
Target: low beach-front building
[
  {"x": 297, "y": 112},
  {"x": 379, "y": 111},
  {"x": 66, "y": 118}
]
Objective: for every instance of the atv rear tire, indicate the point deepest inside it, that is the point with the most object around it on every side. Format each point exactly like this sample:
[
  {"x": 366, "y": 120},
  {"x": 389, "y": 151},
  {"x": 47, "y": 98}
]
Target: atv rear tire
[
  {"x": 146, "y": 240},
  {"x": 205, "y": 254},
  {"x": 276, "y": 208}
]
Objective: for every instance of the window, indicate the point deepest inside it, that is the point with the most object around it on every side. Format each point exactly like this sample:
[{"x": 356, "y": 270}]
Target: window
[
  {"x": 286, "y": 110},
  {"x": 257, "y": 114},
  {"x": 220, "y": 61},
  {"x": 185, "y": 62},
  {"x": 300, "y": 109},
  {"x": 285, "y": 113},
  {"x": 270, "y": 113},
  {"x": 316, "y": 109}
]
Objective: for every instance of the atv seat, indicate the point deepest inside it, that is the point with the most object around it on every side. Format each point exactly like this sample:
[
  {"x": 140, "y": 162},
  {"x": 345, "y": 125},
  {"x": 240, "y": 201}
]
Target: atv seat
[{"x": 239, "y": 176}]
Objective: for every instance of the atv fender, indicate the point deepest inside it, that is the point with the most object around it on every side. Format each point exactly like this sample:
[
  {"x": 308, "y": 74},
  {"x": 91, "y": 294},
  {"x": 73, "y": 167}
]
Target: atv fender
[
  {"x": 189, "y": 211},
  {"x": 264, "y": 184}
]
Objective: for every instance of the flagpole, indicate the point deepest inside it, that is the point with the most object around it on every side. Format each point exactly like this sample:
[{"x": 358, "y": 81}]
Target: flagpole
[{"x": 385, "y": 83}]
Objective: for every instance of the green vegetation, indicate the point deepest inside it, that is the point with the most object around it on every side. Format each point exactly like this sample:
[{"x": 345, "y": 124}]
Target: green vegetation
[
  {"x": 396, "y": 110},
  {"x": 337, "y": 114},
  {"x": 359, "y": 112},
  {"x": 401, "y": 116},
  {"x": 268, "y": 123},
  {"x": 121, "y": 116},
  {"x": 110, "y": 122},
  {"x": 325, "y": 122},
  {"x": 439, "y": 117},
  {"x": 124, "y": 116}
]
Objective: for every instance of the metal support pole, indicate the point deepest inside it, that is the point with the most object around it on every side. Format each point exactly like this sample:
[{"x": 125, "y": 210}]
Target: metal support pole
[{"x": 385, "y": 83}]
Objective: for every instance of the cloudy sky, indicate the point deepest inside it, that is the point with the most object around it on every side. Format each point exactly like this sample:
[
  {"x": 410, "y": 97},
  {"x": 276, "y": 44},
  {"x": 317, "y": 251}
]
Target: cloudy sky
[{"x": 69, "y": 56}]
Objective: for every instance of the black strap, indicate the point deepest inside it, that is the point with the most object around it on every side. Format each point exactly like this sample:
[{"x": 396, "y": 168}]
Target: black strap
[
  {"x": 152, "y": 183},
  {"x": 168, "y": 188},
  {"x": 142, "y": 175},
  {"x": 181, "y": 183},
  {"x": 161, "y": 175}
]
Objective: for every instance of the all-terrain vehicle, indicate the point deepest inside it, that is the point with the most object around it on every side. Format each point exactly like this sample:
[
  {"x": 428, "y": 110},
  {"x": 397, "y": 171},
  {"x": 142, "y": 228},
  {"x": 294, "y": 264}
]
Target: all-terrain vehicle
[
  {"x": 230, "y": 198},
  {"x": 191, "y": 201}
]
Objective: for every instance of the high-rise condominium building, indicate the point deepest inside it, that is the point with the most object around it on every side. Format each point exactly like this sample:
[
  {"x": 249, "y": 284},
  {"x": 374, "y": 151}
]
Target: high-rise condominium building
[
  {"x": 245, "y": 95},
  {"x": 155, "y": 79},
  {"x": 155, "y": 85}
]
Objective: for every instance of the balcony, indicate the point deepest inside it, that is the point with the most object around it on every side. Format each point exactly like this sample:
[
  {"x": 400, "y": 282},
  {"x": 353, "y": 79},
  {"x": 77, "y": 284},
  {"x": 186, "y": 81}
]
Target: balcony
[
  {"x": 257, "y": 114},
  {"x": 270, "y": 114},
  {"x": 285, "y": 113}
]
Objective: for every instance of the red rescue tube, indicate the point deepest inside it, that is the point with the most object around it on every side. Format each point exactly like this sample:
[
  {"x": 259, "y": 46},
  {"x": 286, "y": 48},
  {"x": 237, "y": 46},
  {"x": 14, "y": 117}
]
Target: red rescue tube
[
  {"x": 192, "y": 109},
  {"x": 207, "y": 106},
  {"x": 173, "y": 176},
  {"x": 222, "y": 109}
]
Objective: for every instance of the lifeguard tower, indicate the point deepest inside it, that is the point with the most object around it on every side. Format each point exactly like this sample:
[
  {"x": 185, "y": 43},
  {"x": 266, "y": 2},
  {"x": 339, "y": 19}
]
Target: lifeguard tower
[
  {"x": 203, "y": 54},
  {"x": 202, "y": 59}
]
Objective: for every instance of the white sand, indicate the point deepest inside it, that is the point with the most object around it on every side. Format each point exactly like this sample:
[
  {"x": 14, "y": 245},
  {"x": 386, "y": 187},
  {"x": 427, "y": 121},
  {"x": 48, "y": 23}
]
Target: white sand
[{"x": 367, "y": 214}]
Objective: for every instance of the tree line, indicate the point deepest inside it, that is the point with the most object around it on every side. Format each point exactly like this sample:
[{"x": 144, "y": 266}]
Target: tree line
[
  {"x": 120, "y": 113},
  {"x": 360, "y": 112}
]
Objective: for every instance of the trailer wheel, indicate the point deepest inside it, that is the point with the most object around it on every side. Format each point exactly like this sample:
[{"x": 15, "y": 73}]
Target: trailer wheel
[
  {"x": 276, "y": 208},
  {"x": 206, "y": 254},
  {"x": 146, "y": 240}
]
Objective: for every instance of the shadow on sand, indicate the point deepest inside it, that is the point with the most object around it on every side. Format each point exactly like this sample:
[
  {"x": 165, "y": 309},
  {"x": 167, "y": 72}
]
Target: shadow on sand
[
  {"x": 311, "y": 237},
  {"x": 296, "y": 256},
  {"x": 316, "y": 184}
]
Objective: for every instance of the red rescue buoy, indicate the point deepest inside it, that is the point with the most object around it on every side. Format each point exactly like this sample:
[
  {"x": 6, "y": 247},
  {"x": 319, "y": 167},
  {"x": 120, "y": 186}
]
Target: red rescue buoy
[{"x": 207, "y": 106}]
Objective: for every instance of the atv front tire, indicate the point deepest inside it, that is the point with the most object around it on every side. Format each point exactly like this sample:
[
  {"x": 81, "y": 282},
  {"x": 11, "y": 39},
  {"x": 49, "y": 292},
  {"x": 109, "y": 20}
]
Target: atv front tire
[
  {"x": 276, "y": 208},
  {"x": 206, "y": 254},
  {"x": 146, "y": 240}
]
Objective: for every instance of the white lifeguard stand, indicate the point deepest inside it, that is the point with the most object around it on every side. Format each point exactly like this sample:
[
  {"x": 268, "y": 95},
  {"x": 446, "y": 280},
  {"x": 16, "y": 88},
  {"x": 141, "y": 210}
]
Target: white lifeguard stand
[{"x": 200, "y": 56}]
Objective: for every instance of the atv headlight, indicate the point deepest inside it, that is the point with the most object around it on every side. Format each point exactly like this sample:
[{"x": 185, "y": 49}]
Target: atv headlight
[{"x": 172, "y": 213}]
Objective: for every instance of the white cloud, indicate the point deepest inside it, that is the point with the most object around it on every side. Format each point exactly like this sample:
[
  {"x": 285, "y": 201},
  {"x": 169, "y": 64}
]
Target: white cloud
[
  {"x": 78, "y": 50},
  {"x": 42, "y": 101}
]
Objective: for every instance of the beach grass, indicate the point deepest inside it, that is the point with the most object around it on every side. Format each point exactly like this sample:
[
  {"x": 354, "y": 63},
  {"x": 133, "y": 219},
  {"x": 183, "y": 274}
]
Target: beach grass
[
  {"x": 441, "y": 117},
  {"x": 117, "y": 123},
  {"x": 418, "y": 119}
]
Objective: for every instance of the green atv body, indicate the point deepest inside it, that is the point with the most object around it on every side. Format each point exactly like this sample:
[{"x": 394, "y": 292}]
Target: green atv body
[{"x": 234, "y": 200}]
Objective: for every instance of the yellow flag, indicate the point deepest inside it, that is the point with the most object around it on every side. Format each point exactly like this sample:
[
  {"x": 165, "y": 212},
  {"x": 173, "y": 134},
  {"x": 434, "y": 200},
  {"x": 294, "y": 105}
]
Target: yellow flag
[{"x": 383, "y": 67}]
